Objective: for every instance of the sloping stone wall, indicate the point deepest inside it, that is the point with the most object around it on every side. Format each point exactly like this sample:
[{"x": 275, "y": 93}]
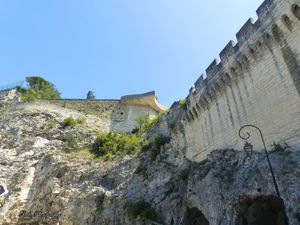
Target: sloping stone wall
[
  {"x": 102, "y": 108},
  {"x": 122, "y": 113}
]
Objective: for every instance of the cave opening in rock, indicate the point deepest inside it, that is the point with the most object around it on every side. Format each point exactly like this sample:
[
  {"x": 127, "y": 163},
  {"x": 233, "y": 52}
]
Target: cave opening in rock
[
  {"x": 194, "y": 216},
  {"x": 262, "y": 210}
]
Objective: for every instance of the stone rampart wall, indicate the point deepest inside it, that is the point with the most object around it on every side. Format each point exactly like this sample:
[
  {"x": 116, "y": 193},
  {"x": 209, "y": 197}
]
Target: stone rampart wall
[
  {"x": 255, "y": 81},
  {"x": 122, "y": 116}
]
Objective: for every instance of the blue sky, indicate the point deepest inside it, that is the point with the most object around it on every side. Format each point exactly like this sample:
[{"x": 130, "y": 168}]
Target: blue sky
[{"x": 117, "y": 47}]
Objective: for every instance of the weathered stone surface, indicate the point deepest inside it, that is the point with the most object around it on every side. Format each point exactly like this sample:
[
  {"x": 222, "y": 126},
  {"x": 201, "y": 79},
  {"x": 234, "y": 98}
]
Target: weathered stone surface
[
  {"x": 47, "y": 187},
  {"x": 185, "y": 180},
  {"x": 259, "y": 80}
]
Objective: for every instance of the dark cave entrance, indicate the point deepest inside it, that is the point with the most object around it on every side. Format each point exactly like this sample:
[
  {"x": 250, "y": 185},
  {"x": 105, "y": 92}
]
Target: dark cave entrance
[
  {"x": 194, "y": 216},
  {"x": 262, "y": 210}
]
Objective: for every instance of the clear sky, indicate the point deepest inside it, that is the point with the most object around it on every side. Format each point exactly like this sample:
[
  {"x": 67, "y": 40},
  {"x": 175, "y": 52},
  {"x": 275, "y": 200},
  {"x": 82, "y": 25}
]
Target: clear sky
[{"x": 117, "y": 47}]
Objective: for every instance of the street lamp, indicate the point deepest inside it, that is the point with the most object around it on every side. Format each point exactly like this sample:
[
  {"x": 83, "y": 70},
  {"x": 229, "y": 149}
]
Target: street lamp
[
  {"x": 249, "y": 150},
  {"x": 115, "y": 196}
]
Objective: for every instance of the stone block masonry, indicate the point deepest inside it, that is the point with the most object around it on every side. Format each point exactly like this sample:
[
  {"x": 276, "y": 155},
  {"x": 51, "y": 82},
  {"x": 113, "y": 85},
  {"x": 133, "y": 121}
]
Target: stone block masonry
[
  {"x": 121, "y": 113},
  {"x": 130, "y": 107},
  {"x": 255, "y": 81}
]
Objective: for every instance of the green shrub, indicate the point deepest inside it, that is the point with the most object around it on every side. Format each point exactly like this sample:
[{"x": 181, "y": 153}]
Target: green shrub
[
  {"x": 182, "y": 103},
  {"x": 141, "y": 170},
  {"x": 113, "y": 144},
  {"x": 154, "y": 152},
  {"x": 160, "y": 140},
  {"x": 142, "y": 209},
  {"x": 38, "y": 88},
  {"x": 184, "y": 174},
  {"x": 142, "y": 118},
  {"x": 172, "y": 125},
  {"x": 145, "y": 124},
  {"x": 155, "y": 144},
  {"x": 71, "y": 143},
  {"x": 69, "y": 122},
  {"x": 48, "y": 125},
  {"x": 135, "y": 130},
  {"x": 149, "y": 214},
  {"x": 30, "y": 95},
  {"x": 282, "y": 149},
  {"x": 37, "y": 113},
  {"x": 21, "y": 89}
]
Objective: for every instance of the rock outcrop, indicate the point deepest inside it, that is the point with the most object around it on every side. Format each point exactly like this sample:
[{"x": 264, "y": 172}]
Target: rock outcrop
[{"x": 45, "y": 184}]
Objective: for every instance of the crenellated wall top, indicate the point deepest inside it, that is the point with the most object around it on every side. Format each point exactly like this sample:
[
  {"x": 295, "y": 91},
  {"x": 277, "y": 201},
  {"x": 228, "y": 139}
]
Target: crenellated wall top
[{"x": 240, "y": 56}]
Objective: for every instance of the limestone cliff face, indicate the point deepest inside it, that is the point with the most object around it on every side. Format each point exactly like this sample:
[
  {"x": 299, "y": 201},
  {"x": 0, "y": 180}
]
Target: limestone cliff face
[
  {"x": 28, "y": 133},
  {"x": 44, "y": 185},
  {"x": 183, "y": 180}
]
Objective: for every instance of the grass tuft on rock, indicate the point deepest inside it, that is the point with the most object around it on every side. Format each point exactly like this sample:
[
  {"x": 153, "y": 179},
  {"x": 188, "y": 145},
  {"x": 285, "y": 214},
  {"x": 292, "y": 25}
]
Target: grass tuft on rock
[{"x": 69, "y": 122}]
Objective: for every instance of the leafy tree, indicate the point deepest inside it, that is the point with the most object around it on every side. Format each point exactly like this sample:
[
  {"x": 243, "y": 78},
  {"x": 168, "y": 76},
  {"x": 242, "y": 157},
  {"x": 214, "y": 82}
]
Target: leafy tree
[
  {"x": 90, "y": 95},
  {"x": 29, "y": 95},
  {"x": 38, "y": 88}
]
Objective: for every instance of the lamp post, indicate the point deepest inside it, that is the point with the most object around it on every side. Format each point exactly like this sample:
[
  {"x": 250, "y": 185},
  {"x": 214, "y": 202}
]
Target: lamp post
[
  {"x": 114, "y": 205},
  {"x": 249, "y": 150}
]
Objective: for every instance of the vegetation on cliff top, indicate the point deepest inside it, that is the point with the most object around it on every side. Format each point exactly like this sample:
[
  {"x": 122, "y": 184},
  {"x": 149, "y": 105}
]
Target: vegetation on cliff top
[
  {"x": 182, "y": 103},
  {"x": 116, "y": 145},
  {"x": 145, "y": 122},
  {"x": 38, "y": 88}
]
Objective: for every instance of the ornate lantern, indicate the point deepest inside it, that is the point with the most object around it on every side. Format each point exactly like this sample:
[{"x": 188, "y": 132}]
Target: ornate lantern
[{"x": 248, "y": 148}]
